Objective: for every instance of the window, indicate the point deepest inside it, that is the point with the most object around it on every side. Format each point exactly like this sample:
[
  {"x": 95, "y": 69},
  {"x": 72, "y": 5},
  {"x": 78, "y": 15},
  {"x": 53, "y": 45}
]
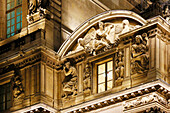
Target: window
[
  {"x": 14, "y": 17},
  {"x": 105, "y": 76},
  {"x": 5, "y": 96}
]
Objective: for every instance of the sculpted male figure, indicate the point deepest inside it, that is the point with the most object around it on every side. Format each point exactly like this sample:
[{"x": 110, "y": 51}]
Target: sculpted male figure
[{"x": 70, "y": 80}]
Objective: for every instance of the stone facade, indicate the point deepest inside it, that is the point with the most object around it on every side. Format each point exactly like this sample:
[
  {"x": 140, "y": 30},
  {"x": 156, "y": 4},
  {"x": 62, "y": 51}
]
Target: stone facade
[{"x": 49, "y": 73}]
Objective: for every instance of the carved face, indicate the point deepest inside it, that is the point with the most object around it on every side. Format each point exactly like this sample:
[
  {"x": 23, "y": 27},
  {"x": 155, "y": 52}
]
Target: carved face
[
  {"x": 67, "y": 65},
  {"x": 138, "y": 39}
]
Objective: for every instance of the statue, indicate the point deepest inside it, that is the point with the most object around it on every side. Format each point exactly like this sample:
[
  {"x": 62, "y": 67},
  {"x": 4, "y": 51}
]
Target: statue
[
  {"x": 18, "y": 90},
  {"x": 140, "y": 59},
  {"x": 119, "y": 64},
  {"x": 37, "y": 6},
  {"x": 90, "y": 43},
  {"x": 103, "y": 38},
  {"x": 166, "y": 12},
  {"x": 70, "y": 80},
  {"x": 87, "y": 79},
  {"x": 32, "y": 6}
]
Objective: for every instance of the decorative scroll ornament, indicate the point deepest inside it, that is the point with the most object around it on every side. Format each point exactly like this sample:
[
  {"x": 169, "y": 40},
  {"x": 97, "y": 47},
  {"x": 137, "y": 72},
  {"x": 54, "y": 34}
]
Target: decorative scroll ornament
[
  {"x": 87, "y": 79},
  {"x": 102, "y": 38},
  {"x": 70, "y": 81},
  {"x": 119, "y": 64},
  {"x": 17, "y": 85},
  {"x": 139, "y": 54}
]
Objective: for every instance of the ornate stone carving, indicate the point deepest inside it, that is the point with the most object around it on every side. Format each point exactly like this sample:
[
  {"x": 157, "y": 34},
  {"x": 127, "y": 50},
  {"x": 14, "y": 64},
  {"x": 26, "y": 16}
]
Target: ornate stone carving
[
  {"x": 37, "y": 10},
  {"x": 166, "y": 12},
  {"x": 17, "y": 85},
  {"x": 103, "y": 38},
  {"x": 119, "y": 64},
  {"x": 145, "y": 100},
  {"x": 139, "y": 54},
  {"x": 70, "y": 81},
  {"x": 154, "y": 110},
  {"x": 37, "y": 6},
  {"x": 87, "y": 79},
  {"x": 90, "y": 42}
]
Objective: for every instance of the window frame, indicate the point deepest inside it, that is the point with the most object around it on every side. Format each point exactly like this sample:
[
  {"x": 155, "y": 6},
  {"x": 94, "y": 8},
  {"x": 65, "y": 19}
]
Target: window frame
[
  {"x": 6, "y": 86},
  {"x": 106, "y": 81},
  {"x": 15, "y": 17}
]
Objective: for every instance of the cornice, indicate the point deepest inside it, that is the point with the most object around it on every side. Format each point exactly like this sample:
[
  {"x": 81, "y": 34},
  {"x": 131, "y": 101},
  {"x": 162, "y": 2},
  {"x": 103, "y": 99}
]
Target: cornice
[{"x": 157, "y": 87}]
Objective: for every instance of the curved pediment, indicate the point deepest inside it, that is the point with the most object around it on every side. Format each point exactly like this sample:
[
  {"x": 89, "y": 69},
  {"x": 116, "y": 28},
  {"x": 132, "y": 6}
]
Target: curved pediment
[{"x": 101, "y": 30}]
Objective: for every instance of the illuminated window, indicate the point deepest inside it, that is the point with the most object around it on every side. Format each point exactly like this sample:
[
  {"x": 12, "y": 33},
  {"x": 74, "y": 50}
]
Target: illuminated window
[
  {"x": 105, "y": 76},
  {"x": 14, "y": 17},
  {"x": 5, "y": 96}
]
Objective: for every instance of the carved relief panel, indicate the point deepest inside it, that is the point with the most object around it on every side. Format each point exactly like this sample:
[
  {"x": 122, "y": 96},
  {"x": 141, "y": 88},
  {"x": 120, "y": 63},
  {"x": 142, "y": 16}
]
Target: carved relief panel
[
  {"x": 102, "y": 37},
  {"x": 119, "y": 67},
  {"x": 139, "y": 54},
  {"x": 87, "y": 78},
  {"x": 17, "y": 86},
  {"x": 70, "y": 81}
]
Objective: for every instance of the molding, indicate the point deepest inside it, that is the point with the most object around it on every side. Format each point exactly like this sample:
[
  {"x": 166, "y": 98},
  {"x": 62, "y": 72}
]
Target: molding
[
  {"x": 100, "y": 5},
  {"x": 34, "y": 107},
  {"x": 154, "y": 86}
]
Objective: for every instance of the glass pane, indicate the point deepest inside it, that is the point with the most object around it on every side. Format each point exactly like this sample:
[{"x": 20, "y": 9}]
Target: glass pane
[
  {"x": 8, "y": 23},
  {"x": 101, "y": 87},
  {"x": 12, "y": 14},
  {"x": 109, "y": 75},
  {"x": 101, "y": 68},
  {"x": 13, "y": 21},
  {"x": 109, "y": 85},
  {"x": 18, "y": 26},
  {"x": 1, "y": 107},
  {"x": 18, "y": 19},
  {"x": 8, "y": 6},
  {"x": 12, "y": 34},
  {"x": 8, "y": 36},
  {"x": 110, "y": 65},
  {"x": 8, "y": 30},
  {"x": 12, "y": 4},
  {"x": 12, "y": 29},
  {"x": 3, "y": 98},
  {"x": 18, "y": 11},
  {"x": 8, "y": 96},
  {"x": 19, "y": 2},
  {"x": 2, "y": 90},
  {"x": 8, "y": 16},
  {"x": 101, "y": 78}
]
